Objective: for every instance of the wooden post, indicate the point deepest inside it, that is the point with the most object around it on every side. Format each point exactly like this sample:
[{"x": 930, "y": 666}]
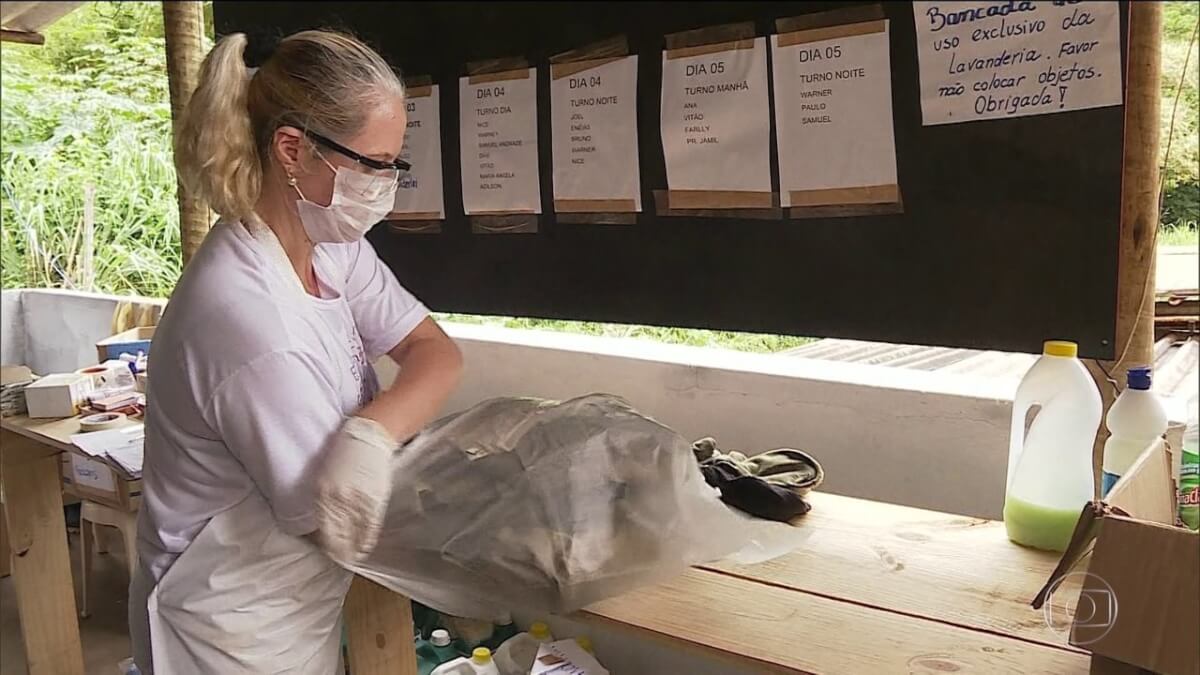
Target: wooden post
[
  {"x": 1139, "y": 209},
  {"x": 183, "y": 24},
  {"x": 379, "y": 630}
]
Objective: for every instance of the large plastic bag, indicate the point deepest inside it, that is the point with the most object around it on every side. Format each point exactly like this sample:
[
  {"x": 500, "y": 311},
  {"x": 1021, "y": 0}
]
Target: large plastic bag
[{"x": 550, "y": 506}]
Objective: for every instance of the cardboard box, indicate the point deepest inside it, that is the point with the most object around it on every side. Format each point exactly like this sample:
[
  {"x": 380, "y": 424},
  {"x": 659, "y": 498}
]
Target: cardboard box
[
  {"x": 97, "y": 480},
  {"x": 57, "y": 395},
  {"x": 129, "y": 342},
  {"x": 1139, "y": 603}
]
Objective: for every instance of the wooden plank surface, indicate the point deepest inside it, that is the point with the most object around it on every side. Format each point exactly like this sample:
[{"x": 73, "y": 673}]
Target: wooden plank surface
[
  {"x": 950, "y": 568},
  {"x": 41, "y": 566},
  {"x": 795, "y": 632},
  {"x": 53, "y": 433},
  {"x": 379, "y": 629}
]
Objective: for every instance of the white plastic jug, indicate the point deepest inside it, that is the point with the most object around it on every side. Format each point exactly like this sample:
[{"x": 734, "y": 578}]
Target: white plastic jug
[
  {"x": 479, "y": 663},
  {"x": 1134, "y": 421},
  {"x": 459, "y": 666},
  {"x": 1050, "y": 474},
  {"x": 517, "y": 654}
]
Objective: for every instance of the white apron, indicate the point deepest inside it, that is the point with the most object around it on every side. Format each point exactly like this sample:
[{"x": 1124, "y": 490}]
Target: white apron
[{"x": 244, "y": 598}]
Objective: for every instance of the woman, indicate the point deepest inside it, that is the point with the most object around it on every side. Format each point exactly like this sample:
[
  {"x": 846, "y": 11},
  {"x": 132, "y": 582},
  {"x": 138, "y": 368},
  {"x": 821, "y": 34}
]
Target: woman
[{"x": 267, "y": 442}]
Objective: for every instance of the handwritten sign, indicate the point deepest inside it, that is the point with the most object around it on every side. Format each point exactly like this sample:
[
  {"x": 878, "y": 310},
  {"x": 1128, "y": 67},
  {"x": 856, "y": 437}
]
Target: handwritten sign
[
  {"x": 420, "y": 190},
  {"x": 715, "y": 118},
  {"x": 833, "y": 113},
  {"x": 984, "y": 60},
  {"x": 593, "y": 108},
  {"x": 498, "y": 126}
]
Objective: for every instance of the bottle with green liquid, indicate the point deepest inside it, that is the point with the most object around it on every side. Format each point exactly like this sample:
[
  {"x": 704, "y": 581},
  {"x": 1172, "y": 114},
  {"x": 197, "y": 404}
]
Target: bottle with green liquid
[{"x": 1050, "y": 475}]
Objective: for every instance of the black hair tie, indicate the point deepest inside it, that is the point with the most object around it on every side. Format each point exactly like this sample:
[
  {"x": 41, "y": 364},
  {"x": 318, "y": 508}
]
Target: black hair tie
[{"x": 260, "y": 44}]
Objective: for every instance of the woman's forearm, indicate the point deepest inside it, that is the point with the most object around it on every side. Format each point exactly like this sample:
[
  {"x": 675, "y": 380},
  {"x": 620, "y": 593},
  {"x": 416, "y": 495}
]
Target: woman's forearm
[
  {"x": 430, "y": 368},
  {"x": 354, "y": 482}
]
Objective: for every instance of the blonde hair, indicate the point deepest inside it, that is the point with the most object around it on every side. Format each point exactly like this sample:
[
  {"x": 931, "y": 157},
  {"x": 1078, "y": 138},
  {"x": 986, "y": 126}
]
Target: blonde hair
[{"x": 319, "y": 80}]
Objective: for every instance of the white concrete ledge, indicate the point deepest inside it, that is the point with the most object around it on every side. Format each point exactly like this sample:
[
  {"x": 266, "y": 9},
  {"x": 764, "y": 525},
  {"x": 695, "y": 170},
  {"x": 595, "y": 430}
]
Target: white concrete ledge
[{"x": 925, "y": 439}]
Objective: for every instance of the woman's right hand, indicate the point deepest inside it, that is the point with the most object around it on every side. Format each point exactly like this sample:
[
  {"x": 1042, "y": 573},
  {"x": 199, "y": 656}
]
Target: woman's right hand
[{"x": 354, "y": 482}]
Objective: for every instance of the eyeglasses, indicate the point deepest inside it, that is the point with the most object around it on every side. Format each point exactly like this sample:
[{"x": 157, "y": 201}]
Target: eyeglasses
[
  {"x": 384, "y": 176},
  {"x": 379, "y": 165}
]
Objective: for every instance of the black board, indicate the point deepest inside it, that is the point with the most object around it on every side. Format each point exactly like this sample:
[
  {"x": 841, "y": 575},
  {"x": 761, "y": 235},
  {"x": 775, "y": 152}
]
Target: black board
[{"x": 1008, "y": 236}]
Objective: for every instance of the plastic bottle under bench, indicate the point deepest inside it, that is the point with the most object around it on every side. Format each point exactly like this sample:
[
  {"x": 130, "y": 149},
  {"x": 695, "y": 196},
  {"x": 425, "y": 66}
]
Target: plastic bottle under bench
[
  {"x": 435, "y": 651},
  {"x": 504, "y": 630},
  {"x": 479, "y": 663},
  {"x": 517, "y": 654}
]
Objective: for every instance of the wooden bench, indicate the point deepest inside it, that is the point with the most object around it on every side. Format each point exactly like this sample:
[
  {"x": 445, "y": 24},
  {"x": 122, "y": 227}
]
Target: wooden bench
[{"x": 875, "y": 588}]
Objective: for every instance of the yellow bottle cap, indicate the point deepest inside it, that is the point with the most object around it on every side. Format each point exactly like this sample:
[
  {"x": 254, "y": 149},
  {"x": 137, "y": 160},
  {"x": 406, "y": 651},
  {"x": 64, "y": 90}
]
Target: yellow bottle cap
[
  {"x": 1060, "y": 348},
  {"x": 539, "y": 630},
  {"x": 481, "y": 655},
  {"x": 585, "y": 643}
]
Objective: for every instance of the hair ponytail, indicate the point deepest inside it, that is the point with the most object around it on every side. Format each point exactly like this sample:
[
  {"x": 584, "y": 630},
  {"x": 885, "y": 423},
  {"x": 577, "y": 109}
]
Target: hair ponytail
[
  {"x": 323, "y": 80},
  {"x": 216, "y": 154}
]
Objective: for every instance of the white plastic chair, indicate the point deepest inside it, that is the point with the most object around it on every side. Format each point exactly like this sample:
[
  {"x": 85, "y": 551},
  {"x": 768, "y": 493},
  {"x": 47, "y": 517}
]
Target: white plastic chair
[{"x": 93, "y": 515}]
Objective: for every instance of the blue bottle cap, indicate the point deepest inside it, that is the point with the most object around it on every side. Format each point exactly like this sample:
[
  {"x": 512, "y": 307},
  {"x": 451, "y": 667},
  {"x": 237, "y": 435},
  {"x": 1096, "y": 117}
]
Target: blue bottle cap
[{"x": 1139, "y": 378}]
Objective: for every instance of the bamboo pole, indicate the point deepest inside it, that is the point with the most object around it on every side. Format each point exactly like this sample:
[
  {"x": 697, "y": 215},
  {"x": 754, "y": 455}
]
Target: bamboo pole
[
  {"x": 1139, "y": 211},
  {"x": 183, "y": 23},
  {"x": 87, "y": 265}
]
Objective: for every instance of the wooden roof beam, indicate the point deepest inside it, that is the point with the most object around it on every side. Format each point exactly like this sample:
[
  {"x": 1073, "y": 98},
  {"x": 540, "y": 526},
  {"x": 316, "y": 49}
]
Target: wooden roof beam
[{"x": 22, "y": 36}]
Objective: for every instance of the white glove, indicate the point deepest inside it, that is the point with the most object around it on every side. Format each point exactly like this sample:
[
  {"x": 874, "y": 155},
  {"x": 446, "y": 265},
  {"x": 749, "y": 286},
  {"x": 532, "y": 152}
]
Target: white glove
[{"x": 354, "y": 482}]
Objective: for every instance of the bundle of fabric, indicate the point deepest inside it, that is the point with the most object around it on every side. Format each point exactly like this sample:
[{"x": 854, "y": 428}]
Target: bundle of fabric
[
  {"x": 771, "y": 485},
  {"x": 550, "y": 506}
]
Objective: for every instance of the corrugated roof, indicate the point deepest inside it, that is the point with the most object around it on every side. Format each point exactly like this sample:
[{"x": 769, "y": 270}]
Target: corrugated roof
[
  {"x": 1176, "y": 361},
  {"x": 32, "y": 17}
]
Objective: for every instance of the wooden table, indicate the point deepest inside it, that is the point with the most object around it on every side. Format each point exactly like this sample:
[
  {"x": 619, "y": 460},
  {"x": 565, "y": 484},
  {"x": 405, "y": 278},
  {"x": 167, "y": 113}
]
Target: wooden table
[
  {"x": 377, "y": 620},
  {"x": 877, "y": 588},
  {"x": 31, "y": 481}
]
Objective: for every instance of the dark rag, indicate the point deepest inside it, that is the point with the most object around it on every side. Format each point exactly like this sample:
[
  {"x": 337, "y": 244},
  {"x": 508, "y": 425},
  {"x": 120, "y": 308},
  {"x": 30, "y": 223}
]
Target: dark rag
[{"x": 771, "y": 485}]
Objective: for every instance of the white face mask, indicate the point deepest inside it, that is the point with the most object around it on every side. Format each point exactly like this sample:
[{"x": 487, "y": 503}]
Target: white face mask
[{"x": 359, "y": 202}]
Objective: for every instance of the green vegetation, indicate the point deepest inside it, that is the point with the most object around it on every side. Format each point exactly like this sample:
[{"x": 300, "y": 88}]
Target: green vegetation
[
  {"x": 1181, "y": 170},
  {"x": 746, "y": 342},
  {"x": 1178, "y": 235},
  {"x": 91, "y": 109}
]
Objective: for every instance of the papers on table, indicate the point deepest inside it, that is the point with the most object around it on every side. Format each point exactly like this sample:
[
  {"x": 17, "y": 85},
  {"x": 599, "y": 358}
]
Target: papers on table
[{"x": 123, "y": 446}]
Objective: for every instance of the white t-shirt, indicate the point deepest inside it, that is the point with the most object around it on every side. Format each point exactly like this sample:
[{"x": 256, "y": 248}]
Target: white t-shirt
[{"x": 250, "y": 375}]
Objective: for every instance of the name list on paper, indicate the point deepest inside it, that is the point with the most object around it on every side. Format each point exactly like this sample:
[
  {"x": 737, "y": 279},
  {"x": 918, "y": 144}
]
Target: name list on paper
[
  {"x": 594, "y": 127},
  {"x": 498, "y": 126},
  {"x": 420, "y": 190},
  {"x": 833, "y": 112},
  {"x": 715, "y": 120},
  {"x": 984, "y": 60}
]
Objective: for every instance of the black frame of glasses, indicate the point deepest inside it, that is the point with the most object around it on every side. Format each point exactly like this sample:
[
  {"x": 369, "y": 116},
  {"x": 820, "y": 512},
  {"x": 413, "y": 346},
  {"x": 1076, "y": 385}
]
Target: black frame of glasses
[{"x": 378, "y": 165}]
